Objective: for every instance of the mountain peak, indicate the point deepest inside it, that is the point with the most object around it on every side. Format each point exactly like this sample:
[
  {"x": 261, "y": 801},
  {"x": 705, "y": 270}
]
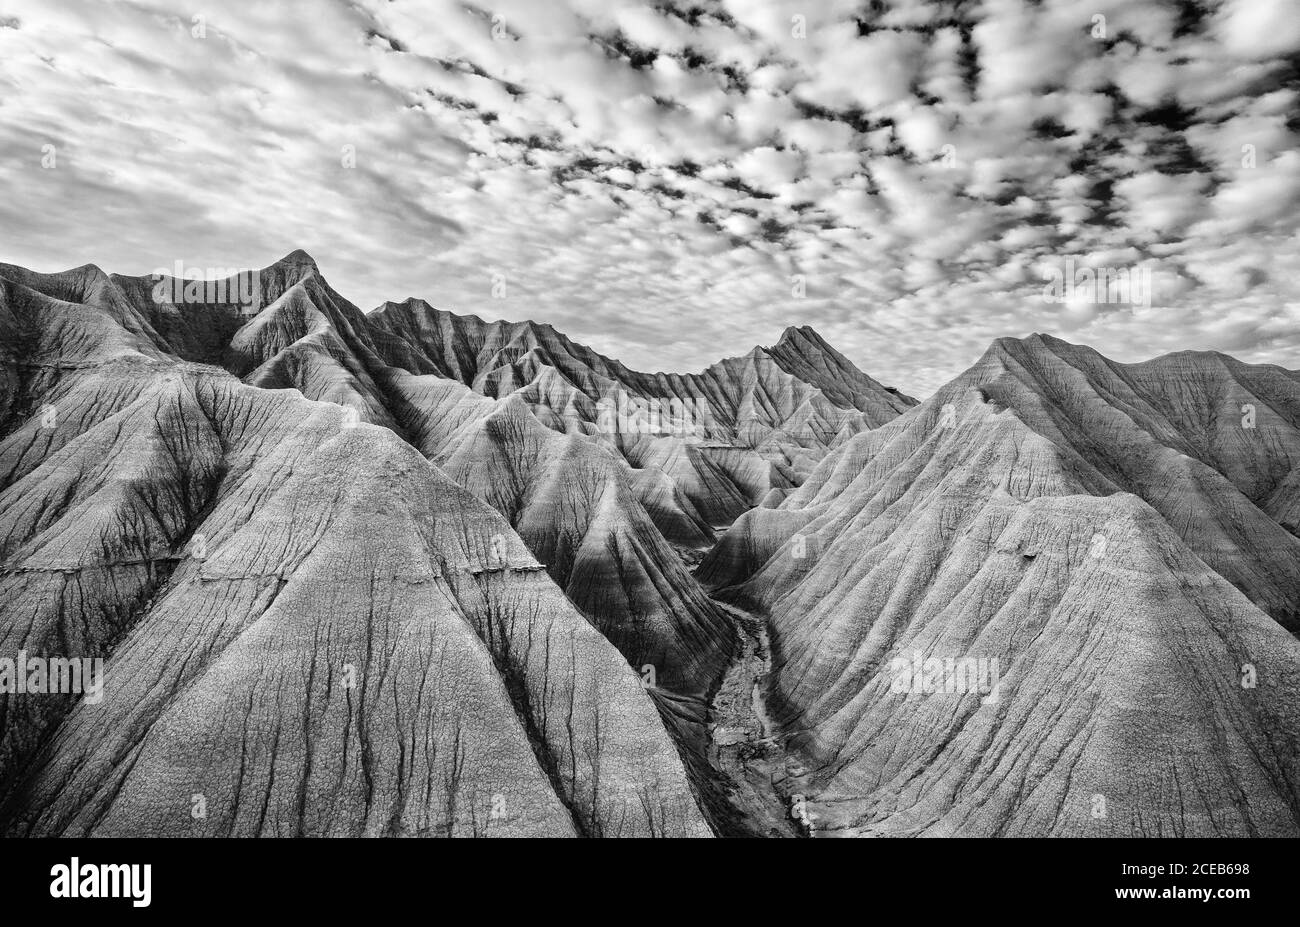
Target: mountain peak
[
  {"x": 286, "y": 273},
  {"x": 804, "y": 353},
  {"x": 803, "y": 340},
  {"x": 802, "y": 336},
  {"x": 1036, "y": 343},
  {"x": 296, "y": 258}
]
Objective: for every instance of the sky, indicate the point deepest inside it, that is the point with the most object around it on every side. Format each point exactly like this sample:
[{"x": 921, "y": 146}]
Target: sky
[{"x": 674, "y": 182}]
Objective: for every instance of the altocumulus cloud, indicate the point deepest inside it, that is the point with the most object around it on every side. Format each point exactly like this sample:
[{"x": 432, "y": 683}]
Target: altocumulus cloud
[{"x": 653, "y": 178}]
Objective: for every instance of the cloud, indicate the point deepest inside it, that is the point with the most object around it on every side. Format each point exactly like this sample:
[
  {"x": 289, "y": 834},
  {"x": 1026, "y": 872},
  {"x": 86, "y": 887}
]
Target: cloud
[
  {"x": 1162, "y": 204},
  {"x": 649, "y": 177},
  {"x": 1259, "y": 28}
]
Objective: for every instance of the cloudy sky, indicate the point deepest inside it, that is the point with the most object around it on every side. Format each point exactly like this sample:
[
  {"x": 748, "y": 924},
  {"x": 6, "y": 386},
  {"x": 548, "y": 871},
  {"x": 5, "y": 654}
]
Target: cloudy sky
[{"x": 676, "y": 181}]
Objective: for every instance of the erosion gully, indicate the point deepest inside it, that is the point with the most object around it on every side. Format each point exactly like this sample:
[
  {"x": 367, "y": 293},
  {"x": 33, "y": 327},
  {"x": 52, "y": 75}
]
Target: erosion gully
[
  {"x": 743, "y": 748},
  {"x": 734, "y": 748}
]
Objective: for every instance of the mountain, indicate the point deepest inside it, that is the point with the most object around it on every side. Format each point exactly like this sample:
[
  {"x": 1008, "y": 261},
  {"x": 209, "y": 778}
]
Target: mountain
[
  {"x": 412, "y": 573},
  {"x": 309, "y": 629},
  {"x": 342, "y": 473},
  {"x": 726, "y": 436},
  {"x": 1053, "y": 599},
  {"x": 576, "y": 503},
  {"x": 606, "y": 509},
  {"x": 1201, "y": 437}
]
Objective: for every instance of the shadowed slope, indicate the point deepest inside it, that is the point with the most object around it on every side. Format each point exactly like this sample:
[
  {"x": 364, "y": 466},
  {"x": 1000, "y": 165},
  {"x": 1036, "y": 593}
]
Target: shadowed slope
[{"x": 572, "y": 502}]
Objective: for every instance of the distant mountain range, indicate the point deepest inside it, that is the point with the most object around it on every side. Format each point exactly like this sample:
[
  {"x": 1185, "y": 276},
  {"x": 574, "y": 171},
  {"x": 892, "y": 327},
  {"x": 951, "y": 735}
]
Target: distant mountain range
[{"x": 412, "y": 573}]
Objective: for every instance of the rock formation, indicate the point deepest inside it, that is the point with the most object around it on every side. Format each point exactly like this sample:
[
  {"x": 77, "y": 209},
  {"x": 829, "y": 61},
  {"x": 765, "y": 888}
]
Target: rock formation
[
  {"x": 1051, "y": 600},
  {"x": 725, "y": 437},
  {"x": 309, "y": 629},
  {"x": 414, "y": 573}
]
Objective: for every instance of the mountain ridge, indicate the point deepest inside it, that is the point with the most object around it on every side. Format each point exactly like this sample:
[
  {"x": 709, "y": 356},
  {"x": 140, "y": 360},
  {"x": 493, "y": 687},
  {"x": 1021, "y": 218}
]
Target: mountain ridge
[
  {"x": 1025, "y": 503},
  {"x": 1120, "y": 540}
]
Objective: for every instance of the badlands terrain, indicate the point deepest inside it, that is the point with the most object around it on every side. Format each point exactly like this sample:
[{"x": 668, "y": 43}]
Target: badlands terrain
[{"x": 407, "y": 572}]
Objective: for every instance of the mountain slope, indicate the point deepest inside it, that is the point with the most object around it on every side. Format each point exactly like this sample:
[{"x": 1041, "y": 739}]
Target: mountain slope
[
  {"x": 574, "y": 501},
  {"x": 1174, "y": 432},
  {"x": 729, "y": 434},
  {"x": 1137, "y": 691},
  {"x": 306, "y": 625}
]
